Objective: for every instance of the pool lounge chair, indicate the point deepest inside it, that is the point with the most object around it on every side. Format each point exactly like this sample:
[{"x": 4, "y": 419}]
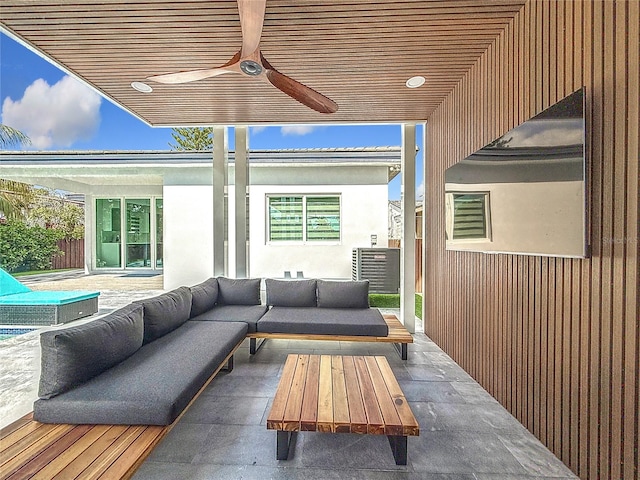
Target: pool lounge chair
[{"x": 19, "y": 305}]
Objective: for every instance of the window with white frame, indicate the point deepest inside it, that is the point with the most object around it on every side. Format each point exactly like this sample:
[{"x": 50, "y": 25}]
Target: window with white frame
[{"x": 303, "y": 218}]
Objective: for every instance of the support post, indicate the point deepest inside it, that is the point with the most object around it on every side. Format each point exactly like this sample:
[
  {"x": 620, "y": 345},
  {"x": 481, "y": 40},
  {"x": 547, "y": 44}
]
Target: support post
[
  {"x": 408, "y": 243},
  {"x": 254, "y": 346},
  {"x": 241, "y": 182},
  {"x": 398, "y": 445},
  {"x": 90, "y": 216},
  {"x": 283, "y": 442},
  {"x": 219, "y": 182}
]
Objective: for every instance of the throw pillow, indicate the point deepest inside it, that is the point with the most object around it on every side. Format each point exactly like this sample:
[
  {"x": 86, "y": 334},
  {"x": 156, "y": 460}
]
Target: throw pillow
[
  {"x": 238, "y": 291},
  {"x": 165, "y": 313},
  {"x": 71, "y": 356},
  {"x": 291, "y": 293},
  {"x": 341, "y": 294},
  {"x": 204, "y": 297}
]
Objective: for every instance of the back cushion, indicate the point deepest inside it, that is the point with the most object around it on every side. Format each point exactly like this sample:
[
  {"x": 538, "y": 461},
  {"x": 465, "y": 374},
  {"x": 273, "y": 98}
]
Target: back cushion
[
  {"x": 204, "y": 297},
  {"x": 291, "y": 293},
  {"x": 73, "y": 355},
  {"x": 238, "y": 291},
  {"x": 336, "y": 294},
  {"x": 165, "y": 313}
]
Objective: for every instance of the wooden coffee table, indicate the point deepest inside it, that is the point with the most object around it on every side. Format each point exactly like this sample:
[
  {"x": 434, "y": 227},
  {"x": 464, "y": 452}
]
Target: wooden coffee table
[{"x": 341, "y": 394}]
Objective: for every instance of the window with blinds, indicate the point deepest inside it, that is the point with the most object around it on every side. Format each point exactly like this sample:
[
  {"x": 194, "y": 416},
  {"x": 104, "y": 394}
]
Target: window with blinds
[
  {"x": 285, "y": 219},
  {"x": 470, "y": 216},
  {"x": 304, "y": 218},
  {"x": 323, "y": 218}
]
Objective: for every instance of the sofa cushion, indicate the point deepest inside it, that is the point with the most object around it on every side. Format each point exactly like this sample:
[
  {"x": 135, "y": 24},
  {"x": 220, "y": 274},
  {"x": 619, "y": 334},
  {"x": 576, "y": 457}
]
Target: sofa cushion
[
  {"x": 153, "y": 386},
  {"x": 73, "y": 355},
  {"x": 238, "y": 291},
  {"x": 204, "y": 296},
  {"x": 343, "y": 294},
  {"x": 291, "y": 293},
  {"x": 324, "y": 321},
  {"x": 165, "y": 312},
  {"x": 249, "y": 314}
]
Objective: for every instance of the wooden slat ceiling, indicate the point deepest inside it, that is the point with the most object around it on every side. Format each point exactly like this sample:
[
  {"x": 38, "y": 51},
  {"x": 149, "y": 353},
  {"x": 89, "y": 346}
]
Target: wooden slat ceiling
[{"x": 357, "y": 52}]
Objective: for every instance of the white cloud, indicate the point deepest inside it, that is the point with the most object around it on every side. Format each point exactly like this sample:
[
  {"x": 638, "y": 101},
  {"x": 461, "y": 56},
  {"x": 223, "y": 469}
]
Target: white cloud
[
  {"x": 54, "y": 115},
  {"x": 258, "y": 128},
  {"x": 297, "y": 129},
  {"x": 420, "y": 191}
]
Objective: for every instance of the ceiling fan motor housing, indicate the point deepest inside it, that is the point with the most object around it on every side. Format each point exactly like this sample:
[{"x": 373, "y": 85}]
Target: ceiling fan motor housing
[{"x": 249, "y": 67}]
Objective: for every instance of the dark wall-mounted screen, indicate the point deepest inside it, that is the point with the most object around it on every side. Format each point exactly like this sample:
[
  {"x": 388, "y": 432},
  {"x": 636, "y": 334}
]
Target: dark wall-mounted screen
[{"x": 525, "y": 191}]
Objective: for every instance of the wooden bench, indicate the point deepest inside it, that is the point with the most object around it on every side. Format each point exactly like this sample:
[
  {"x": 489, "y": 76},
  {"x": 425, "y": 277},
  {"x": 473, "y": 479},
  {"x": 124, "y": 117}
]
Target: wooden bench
[
  {"x": 399, "y": 336},
  {"x": 341, "y": 394},
  {"x": 30, "y": 449}
]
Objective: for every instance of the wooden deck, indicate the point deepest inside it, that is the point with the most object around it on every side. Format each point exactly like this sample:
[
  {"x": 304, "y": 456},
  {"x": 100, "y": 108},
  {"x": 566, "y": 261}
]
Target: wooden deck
[{"x": 29, "y": 449}]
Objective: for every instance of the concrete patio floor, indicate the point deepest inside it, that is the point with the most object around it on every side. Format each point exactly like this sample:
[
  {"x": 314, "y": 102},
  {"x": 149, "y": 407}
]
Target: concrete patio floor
[{"x": 464, "y": 432}]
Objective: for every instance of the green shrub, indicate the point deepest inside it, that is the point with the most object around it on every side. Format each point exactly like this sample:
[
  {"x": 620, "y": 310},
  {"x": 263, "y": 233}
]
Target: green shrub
[{"x": 27, "y": 248}]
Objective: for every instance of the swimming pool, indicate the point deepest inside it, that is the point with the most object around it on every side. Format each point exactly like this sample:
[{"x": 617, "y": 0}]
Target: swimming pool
[{"x": 6, "y": 333}]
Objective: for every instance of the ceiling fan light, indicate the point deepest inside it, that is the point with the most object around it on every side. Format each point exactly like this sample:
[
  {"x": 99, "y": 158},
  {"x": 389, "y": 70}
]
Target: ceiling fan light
[
  {"x": 415, "y": 82},
  {"x": 141, "y": 87}
]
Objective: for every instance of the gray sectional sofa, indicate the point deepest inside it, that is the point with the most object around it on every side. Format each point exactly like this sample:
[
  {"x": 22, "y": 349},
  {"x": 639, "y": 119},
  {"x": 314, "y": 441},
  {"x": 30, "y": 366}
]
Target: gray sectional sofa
[{"x": 144, "y": 363}]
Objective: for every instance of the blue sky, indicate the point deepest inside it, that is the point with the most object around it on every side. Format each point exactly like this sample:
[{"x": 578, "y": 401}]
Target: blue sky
[{"x": 59, "y": 113}]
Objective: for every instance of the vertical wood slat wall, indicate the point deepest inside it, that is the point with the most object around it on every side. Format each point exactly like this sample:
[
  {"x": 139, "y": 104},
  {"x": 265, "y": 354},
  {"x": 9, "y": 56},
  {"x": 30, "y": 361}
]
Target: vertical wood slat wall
[{"x": 555, "y": 340}]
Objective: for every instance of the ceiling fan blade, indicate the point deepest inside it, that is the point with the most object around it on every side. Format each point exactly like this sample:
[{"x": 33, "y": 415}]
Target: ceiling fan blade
[
  {"x": 251, "y": 21},
  {"x": 194, "y": 75},
  {"x": 190, "y": 76},
  {"x": 296, "y": 90}
]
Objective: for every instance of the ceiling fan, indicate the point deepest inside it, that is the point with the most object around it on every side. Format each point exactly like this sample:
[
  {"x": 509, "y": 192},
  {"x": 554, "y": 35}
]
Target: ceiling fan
[{"x": 250, "y": 61}]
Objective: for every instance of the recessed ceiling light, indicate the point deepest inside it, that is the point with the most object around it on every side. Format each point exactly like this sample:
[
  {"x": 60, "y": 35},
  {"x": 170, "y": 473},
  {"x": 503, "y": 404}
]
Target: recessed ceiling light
[
  {"x": 415, "y": 82},
  {"x": 141, "y": 87}
]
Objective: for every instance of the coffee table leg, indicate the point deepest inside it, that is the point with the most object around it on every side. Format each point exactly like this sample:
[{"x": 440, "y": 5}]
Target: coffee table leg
[
  {"x": 282, "y": 444},
  {"x": 399, "y": 448}
]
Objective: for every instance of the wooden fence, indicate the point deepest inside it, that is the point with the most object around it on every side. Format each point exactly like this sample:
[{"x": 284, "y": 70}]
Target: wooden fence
[
  {"x": 395, "y": 243},
  {"x": 73, "y": 256}
]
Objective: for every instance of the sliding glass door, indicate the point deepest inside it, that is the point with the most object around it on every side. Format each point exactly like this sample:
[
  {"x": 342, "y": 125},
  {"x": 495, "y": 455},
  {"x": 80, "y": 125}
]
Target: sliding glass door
[
  {"x": 139, "y": 243},
  {"x": 108, "y": 233},
  {"x": 138, "y": 246}
]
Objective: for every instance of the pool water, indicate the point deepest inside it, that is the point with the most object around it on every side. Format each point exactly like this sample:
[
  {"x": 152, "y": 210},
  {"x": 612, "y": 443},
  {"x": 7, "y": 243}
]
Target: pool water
[{"x": 7, "y": 333}]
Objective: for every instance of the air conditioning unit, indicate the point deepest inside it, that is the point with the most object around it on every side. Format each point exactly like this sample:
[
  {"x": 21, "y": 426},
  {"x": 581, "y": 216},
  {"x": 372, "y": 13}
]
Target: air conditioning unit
[{"x": 381, "y": 266}]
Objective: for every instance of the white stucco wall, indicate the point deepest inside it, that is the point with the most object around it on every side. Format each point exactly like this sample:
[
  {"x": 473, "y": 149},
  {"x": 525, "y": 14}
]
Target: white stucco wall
[
  {"x": 363, "y": 213},
  {"x": 188, "y": 234}
]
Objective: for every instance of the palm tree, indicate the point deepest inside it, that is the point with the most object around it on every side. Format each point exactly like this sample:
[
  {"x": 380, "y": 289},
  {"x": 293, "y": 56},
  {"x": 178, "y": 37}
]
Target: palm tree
[
  {"x": 15, "y": 198},
  {"x": 10, "y": 136}
]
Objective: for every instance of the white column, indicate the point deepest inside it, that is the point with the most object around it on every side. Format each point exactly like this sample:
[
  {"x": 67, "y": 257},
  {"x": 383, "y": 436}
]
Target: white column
[
  {"x": 424, "y": 226},
  {"x": 241, "y": 182},
  {"x": 90, "y": 235},
  {"x": 408, "y": 243},
  {"x": 219, "y": 182}
]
